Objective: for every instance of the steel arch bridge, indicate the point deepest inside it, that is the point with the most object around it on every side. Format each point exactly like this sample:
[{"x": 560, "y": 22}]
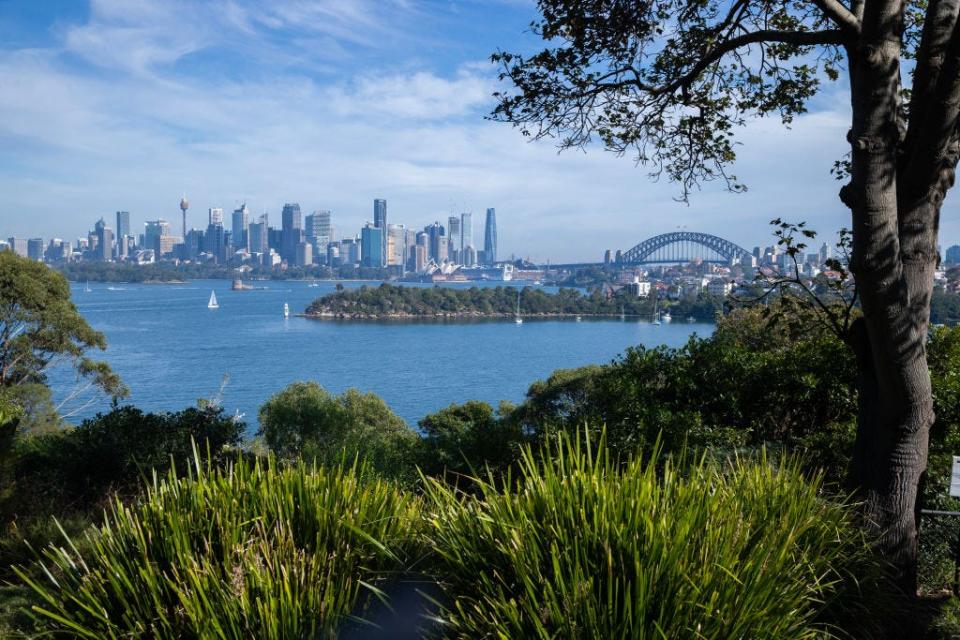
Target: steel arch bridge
[{"x": 683, "y": 246}]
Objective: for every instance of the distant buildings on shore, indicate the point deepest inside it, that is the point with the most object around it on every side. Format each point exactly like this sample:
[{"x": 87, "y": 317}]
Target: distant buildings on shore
[{"x": 300, "y": 240}]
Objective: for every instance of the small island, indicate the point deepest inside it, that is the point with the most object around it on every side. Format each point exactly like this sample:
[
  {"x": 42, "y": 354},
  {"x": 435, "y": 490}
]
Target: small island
[{"x": 398, "y": 302}]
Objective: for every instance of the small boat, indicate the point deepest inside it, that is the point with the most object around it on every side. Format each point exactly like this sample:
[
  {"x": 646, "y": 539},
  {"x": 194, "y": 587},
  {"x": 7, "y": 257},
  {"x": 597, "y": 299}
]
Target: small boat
[
  {"x": 579, "y": 318},
  {"x": 691, "y": 319},
  {"x": 656, "y": 312},
  {"x": 313, "y": 285},
  {"x": 286, "y": 310},
  {"x": 212, "y": 304},
  {"x": 517, "y": 319},
  {"x": 666, "y": 317},
  {"x": 87, "y": 288}
]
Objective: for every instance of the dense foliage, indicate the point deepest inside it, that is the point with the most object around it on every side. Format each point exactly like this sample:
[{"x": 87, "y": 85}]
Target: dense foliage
[
  {"x": 253, "y": 551},
  {"x": 585, "y": 548},
  {"x": 388, "y": 301},
  {"x": 469, "y": 439},
  {"x": 305, "y": 421},
  {"x": 40, "y": 326},
  {"x": 74, "y": 470},
  {"x": 945, "y": 307}
]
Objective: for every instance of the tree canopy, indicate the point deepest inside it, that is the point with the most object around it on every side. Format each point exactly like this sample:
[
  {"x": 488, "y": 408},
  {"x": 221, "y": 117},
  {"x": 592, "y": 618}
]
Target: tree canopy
[{"x": 40, "y": 327}]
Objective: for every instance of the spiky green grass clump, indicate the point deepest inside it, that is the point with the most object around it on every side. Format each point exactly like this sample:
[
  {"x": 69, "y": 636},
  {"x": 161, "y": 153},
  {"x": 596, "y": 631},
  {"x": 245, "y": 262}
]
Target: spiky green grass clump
[
  {"x": 586, "y": 548},
  {"x": 252, "y": 551}
]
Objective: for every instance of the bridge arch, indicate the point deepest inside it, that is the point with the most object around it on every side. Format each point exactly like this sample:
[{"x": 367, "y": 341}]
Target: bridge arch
[{"x": 678, "y": 246}]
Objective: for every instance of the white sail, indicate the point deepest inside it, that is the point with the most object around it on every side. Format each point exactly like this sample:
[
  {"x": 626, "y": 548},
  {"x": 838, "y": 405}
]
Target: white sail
[
  {"x": 213, "y": 301},
  {"x": 286, "y": 310}
]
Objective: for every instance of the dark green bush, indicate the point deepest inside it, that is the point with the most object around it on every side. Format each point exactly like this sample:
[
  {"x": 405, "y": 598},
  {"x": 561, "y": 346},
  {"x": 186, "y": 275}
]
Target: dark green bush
[{"x": 588, "y": 548}]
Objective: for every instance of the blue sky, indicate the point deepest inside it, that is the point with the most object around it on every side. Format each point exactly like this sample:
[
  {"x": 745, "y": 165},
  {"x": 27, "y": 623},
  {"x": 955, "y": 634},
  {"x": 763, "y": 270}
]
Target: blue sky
[{"x": 127, "y": 104}]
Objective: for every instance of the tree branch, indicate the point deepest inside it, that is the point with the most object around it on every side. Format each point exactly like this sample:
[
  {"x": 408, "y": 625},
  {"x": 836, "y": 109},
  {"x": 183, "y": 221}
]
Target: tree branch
[
  {"x": 840, "y": 15},
  {"x": 798, "y": 38}
]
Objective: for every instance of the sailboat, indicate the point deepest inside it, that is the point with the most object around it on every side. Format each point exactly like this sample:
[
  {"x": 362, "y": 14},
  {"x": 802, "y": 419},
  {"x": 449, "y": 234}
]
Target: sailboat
[
  {"x": 213, "y": 301},
  {"x": 517, "y": 318},
  {"x": 87, "y": 288},
  {"x": 656, "y": 312},
  {"x": 286, "y": 310}
]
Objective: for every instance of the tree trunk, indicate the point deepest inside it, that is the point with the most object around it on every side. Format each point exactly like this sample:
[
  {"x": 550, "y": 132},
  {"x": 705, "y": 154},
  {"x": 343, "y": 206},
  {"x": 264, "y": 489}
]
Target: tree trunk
[{"x": 894, "y": 271}]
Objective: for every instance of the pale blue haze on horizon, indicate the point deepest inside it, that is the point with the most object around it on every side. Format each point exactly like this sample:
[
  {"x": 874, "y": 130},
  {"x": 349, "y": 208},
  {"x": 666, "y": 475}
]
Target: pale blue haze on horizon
[{"x": 113, "y": 105}]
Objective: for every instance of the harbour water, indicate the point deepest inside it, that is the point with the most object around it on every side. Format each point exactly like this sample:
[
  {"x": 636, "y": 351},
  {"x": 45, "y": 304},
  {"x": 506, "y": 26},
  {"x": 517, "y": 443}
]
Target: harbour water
[{"x": 171, "y": 350}]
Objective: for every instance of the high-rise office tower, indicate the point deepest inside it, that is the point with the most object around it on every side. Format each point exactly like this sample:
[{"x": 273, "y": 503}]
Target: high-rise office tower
[
  {"x": 152, "y": 231},
  {"x": 349, "y": 251},
  {"x": 438, "y": 242},
  {"x": 466, "y": 234},
  {"x": 317, "y": 230},
  {"x": 35, "y": 249},
  {"x": 241, "y": 219},
  {"x": 371, "y": 246},
  {"x": 123, "y": 224},
  {"x": 215, "y": 216},
  {"x": 421, "y": 251},
  {"x": 490, "y": 237},
  {"x": 215, "y": 240},
  {"x": 396, "y": 245},
  {"x": 18, "y": 246},
  {"x": 453, "y": 238},
  {"x": 304, "y": 254},
  {"x": 380, "y": 219},
  {"x": 104, "y": 241},
  {"x": 291, "y": 231},
  {"x": 257, "y": 240}
]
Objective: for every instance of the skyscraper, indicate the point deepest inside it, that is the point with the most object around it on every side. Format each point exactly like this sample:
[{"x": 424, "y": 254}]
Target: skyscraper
[
  {"x": 466, "y": 234},
  {"x": 291, "y": 230},
  {"x": 371, "y": 246},
  {"x": 490, "y": 237},
  {"x": 123, "y": 224},
  {"x": 317, "y": 230},
  {"x": 35, "y": 249},
  {"x": 257, "y": 236},
  {"x": 153, "y": 230},
  {"x": 241, "y": 218},
  {"x": 216, "y": 216},
  {"x": 453, "y": 238},
  {"x": 104, "y": 241},
  {"x": 421, "y": 251},
  {"x": 380, "y": 220},
  {"x": 215, "y": 240},
  {"x": 396, "y": 245},
  {"x": 18, "y": 246},
  {"x": 438, "y": 242}
]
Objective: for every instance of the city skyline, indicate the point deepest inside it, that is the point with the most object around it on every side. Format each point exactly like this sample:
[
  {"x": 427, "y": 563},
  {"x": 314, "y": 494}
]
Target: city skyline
[{"x": 119, "y": 105}]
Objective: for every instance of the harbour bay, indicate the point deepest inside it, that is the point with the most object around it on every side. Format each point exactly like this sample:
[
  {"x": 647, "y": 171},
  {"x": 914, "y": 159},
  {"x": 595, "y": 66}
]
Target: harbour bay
[{"x": 171, "y": 350}]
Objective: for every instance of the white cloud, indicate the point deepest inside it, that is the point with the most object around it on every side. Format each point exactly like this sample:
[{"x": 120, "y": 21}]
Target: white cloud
[{"x": 86, "y": 144}]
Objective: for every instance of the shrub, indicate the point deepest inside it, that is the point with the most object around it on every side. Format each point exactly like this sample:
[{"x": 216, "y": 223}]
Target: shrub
[
  {"x": 75, "y": 470},
  {"x": 305, "y": 420},
  {"x": 468, "y": 439},
  {"x": 587, "y": 548},
  {"x": 250, "y": 551}
]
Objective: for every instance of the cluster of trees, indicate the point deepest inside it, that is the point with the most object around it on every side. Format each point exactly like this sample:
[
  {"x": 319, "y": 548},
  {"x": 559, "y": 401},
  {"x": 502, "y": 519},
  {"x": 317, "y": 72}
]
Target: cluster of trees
[{"x": 388, "y": 301}]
